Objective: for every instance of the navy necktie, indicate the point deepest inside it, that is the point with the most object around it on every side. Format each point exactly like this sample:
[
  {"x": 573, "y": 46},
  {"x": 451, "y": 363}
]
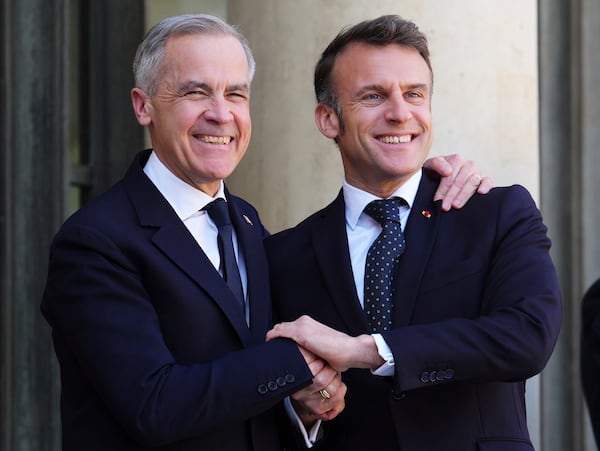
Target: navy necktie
[
  {"x": 219, "y": 213},
  {"x": 382, "y": 258}
]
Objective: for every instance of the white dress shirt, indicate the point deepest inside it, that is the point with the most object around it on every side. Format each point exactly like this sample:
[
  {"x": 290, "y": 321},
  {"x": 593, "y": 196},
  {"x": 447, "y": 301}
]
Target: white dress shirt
[{"x": 362, "y": 230}]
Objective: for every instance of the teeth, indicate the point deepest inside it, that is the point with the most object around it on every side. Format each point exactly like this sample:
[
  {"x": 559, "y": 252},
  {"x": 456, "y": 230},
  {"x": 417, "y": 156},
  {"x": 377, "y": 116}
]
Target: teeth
[
  {"x": 216, "y": 139},
  {"x": 395, "y": 139}
]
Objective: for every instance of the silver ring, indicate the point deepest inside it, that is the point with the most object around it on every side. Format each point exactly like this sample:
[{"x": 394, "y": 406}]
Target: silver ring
[{"x": 324, "y": 394}]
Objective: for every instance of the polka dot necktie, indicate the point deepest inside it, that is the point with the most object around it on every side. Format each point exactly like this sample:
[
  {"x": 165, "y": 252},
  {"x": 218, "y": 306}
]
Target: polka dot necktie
[{"x": 381, "y": 262}]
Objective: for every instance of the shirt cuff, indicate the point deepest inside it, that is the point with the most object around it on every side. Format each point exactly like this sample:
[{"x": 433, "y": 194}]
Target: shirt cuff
[
  {"x": 310, "y": 436},
  {"x": 387, "y": 369}
]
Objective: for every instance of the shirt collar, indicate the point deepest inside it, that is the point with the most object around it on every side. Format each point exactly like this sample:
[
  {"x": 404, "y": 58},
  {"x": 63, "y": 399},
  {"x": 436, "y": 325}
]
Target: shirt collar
[
  {"x": 356, "y": 199},
  {"x": 184, "y": 198}
]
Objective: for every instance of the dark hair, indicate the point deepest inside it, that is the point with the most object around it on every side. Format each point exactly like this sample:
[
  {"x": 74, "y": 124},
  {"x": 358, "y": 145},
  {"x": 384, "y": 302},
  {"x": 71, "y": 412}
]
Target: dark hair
[{"x": 382, "y": 31}]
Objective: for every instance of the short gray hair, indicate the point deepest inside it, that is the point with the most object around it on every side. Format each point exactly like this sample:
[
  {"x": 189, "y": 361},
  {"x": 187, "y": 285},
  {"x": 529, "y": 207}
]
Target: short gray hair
[{"x": 148, "y": 61}]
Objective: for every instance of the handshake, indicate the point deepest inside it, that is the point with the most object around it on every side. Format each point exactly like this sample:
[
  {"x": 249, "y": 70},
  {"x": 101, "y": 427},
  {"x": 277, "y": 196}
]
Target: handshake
[{"x": 328, "y": 353}]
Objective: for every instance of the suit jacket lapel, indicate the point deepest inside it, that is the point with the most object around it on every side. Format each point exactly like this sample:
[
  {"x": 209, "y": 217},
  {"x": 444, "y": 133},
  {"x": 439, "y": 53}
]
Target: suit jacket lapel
[
  {"x": 419, "y": 235},
  {"x": 250, "y": 241},
  {"x": 176, "y": 242},
  {"x": 331, "y": 250}
]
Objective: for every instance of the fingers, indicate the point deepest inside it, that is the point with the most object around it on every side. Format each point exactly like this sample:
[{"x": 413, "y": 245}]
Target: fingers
[
  {"x": 441, "y": 165},
  {"x": 455, "y": 191},
  {"x": 332, "y": 398},
  {"x": 289, "y": 329},
  {"x": 324, "y": 399},
  {"x": 334, "y": 405},
  {"x": 485, "y": 186},
  {"x": 455, "y": 163},
  {"x": 315, "y": 364},
  {"x": 463, "y": 188},
  {"x": 326, "y": 378}
]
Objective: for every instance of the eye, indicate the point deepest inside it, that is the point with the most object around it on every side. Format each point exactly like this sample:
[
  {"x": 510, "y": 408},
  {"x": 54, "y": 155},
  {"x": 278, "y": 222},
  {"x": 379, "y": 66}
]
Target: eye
[
  {"x": 195, "y": 93},
  {"x": 415, "y": 97},
  {"x": 372, "y": 99},
  {"x": 237, "y": 96}
]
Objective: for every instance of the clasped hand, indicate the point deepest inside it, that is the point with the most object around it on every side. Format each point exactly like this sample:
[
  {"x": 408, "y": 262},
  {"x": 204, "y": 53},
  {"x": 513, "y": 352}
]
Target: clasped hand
[{"x": 328, "y": 353}]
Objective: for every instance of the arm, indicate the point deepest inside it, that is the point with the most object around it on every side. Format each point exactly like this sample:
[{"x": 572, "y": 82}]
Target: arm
[
  {"x": 503, "y": 314},
  {"x": 340, "y": 350},
  {"x": 514, "y": 289}
]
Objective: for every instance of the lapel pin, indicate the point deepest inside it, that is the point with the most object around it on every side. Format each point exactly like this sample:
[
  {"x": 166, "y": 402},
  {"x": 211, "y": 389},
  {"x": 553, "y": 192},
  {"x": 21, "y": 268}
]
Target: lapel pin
[
  {"x": 247, "y": 219},
  {"x": 426, "y": 213}
]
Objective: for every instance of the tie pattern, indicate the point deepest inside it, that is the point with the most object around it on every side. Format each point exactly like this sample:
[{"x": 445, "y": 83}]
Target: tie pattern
[
  {"x": 219, "y": 213},
  {"x": 381, "y": 262}
]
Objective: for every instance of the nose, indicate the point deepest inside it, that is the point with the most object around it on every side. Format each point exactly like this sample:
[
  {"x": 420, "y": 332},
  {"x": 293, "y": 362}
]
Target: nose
[
  {"x": 399, "y": 110},
  {"x": 218, "y": 111}
]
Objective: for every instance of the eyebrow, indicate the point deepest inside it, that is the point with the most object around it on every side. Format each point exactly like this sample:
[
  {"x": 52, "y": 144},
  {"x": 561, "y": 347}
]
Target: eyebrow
[{"x": 377, "y": 87}]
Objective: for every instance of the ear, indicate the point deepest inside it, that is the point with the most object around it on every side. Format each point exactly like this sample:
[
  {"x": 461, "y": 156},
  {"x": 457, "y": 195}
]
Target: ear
[
  {"x": 327, "y": 121},
  {"x": 141, "y": 106}
]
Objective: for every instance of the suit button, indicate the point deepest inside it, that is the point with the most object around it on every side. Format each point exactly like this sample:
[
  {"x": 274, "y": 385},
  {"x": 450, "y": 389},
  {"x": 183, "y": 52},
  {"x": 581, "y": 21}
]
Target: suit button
[
  {"x": 424, "y": 377},
  {"x": 432, "y": 376},
  {"x": 289, "y": 378},
  {"x": 449, "y": 374},
  {"x": 262, "y": 389},
  {"x": 281, "y": 381},
  {"x": 398, "y": 395},
  {"x": 272, "y": 385}
]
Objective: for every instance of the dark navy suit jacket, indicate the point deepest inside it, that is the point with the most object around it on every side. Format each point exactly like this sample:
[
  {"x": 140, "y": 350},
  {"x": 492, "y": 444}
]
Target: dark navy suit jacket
[
  {"x": 153, "y": 349},
  {"x": 477, "y": 311},
  {"x": 590, "y": 354}
]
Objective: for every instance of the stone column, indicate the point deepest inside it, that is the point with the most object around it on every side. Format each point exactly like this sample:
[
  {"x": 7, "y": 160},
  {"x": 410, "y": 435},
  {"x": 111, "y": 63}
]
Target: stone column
[
  {"x": 31, "y": 133},
  {"x": 570, "y": 136}
]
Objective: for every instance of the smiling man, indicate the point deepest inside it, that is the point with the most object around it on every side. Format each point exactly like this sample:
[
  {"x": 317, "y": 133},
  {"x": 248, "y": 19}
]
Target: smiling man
[
  {"x": 158, "y": 348},
  {"x": 438, "y": 318},
  {"x": 384, "y": 133}
]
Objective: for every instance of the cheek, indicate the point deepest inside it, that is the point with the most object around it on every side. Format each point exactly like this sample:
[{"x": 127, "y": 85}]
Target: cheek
[
  {"x": 244, "y": 126},
  {"x": 242, "y": 117},
  {"x": 424, "y": 118}
]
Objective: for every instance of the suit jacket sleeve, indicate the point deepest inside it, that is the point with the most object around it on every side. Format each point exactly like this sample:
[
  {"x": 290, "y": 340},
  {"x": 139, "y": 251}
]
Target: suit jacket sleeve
[{"x": 504, "y": 295}]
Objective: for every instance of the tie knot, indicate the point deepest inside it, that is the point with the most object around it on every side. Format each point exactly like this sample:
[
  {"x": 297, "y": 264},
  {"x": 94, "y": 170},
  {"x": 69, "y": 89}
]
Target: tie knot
[
  {"x": 219, "y": 212},
  {"x": 385, "y": 210}
]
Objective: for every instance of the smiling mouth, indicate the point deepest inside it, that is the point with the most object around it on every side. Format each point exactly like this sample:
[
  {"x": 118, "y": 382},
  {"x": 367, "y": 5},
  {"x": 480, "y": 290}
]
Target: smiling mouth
[
  {"x": 214, "y": 139},
  {"x": 388, "y": 139}
]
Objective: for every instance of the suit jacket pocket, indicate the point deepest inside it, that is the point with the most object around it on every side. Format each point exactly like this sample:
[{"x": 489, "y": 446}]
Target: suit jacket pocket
[{"x": 504, "y": 445}]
